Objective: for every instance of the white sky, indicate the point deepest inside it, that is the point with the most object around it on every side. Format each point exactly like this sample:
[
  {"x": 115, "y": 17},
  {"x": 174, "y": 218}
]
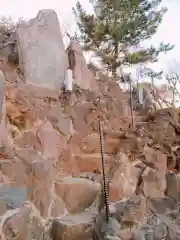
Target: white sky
[{"x": 168, "y": 31}]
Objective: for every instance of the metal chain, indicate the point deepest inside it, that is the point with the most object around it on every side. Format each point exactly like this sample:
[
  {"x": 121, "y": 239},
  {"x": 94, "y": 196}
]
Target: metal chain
[{"x": 103, "y": 162}]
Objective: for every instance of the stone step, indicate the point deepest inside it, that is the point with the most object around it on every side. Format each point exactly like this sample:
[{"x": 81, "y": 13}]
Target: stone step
[
  {"x": 90, "y": 162},
  {"x": 113, "y": 134}
]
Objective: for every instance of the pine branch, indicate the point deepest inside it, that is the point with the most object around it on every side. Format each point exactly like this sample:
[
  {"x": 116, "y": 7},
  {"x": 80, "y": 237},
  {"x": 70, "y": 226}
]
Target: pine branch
[{"x": 119, "y": 26}]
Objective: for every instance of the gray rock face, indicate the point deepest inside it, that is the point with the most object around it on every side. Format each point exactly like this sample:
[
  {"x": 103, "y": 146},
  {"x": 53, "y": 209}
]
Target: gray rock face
[
  {"x": 24, "y": 224},
  {"x": 13, "y": 196},
  {"x": 2, "y": 80},
  {"x": 140, "y": 219},
  {"x": 82, "y": 76},
  {"x": 41, "y": 50},
  {"x": 73, "y": 227},
  {"x": 157, "y": 228},
  {"x": 173, "y": 186}
]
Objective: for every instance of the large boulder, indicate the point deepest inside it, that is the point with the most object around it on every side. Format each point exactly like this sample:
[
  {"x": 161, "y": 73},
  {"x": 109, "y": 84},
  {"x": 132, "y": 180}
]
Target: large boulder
[
  {"x": 173, "y": 186},
  {"x": 124, "y": 219},
  {"x": 83, "y": 77},
  {"x": 73, "y": 227},
  {"x": 154, "y": 176},
  {"x": 77, "y": 193},
  {"x": 11, "y": 197},
  {"x": 153, "y": 183},
  {"x": 123, "y": 179},
  {"x": 2, "y": 100},
  {"x": 25, "y": 223},
  {"x": 52, "y": 142},
  {"x": 40, "y": 189},
  {"x": 41, "y": 49}
]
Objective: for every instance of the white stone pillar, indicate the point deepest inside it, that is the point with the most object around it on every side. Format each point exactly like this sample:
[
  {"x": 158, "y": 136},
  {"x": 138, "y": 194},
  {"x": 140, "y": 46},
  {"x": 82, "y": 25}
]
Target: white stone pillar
[{"x": 68, "y": 82}]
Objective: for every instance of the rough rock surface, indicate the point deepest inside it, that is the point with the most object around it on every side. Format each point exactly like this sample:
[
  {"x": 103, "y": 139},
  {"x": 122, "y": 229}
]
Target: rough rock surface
[
  {"x": 83, "y": 77},
  {"x": 77, "y": 193},
  {"x": 42, "y": 56},
  {"x": 124, "y": 179},
  {"x": 50, "y": 151},
  {"x": 73, "y": 227},
  {"x": 2, "y": 92},
  {"x": 50, "y": 167}
]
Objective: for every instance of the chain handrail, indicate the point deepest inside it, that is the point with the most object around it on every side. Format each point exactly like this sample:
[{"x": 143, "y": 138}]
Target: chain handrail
[{"x": 103, "y": 162}]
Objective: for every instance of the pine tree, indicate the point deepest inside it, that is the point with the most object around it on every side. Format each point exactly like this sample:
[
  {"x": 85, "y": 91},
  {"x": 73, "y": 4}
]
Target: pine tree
[{"x": 119, "y": 27}]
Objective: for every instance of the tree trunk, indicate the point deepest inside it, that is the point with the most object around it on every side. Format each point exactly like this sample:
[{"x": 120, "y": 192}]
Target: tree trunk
[
  {"x": 131, "y": 102},
  {"x": 173, "y": 98},
  {"x": 114, "y": 62},
  {"x": 153, "y": 92}
]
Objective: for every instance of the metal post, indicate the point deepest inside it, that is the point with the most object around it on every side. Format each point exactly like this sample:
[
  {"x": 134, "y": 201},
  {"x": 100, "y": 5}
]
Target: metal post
[{"x": 103, "y": 163}]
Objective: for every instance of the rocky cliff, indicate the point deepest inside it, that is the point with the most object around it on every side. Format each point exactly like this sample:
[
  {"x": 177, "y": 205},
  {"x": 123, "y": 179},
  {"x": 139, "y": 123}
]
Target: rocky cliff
[{"x": 50, "y": 167}]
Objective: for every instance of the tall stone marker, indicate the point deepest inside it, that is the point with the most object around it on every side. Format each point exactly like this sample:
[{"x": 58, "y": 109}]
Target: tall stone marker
[
  {"x": 41, "y": 50},
  {"x": 82, "y": 76}
]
